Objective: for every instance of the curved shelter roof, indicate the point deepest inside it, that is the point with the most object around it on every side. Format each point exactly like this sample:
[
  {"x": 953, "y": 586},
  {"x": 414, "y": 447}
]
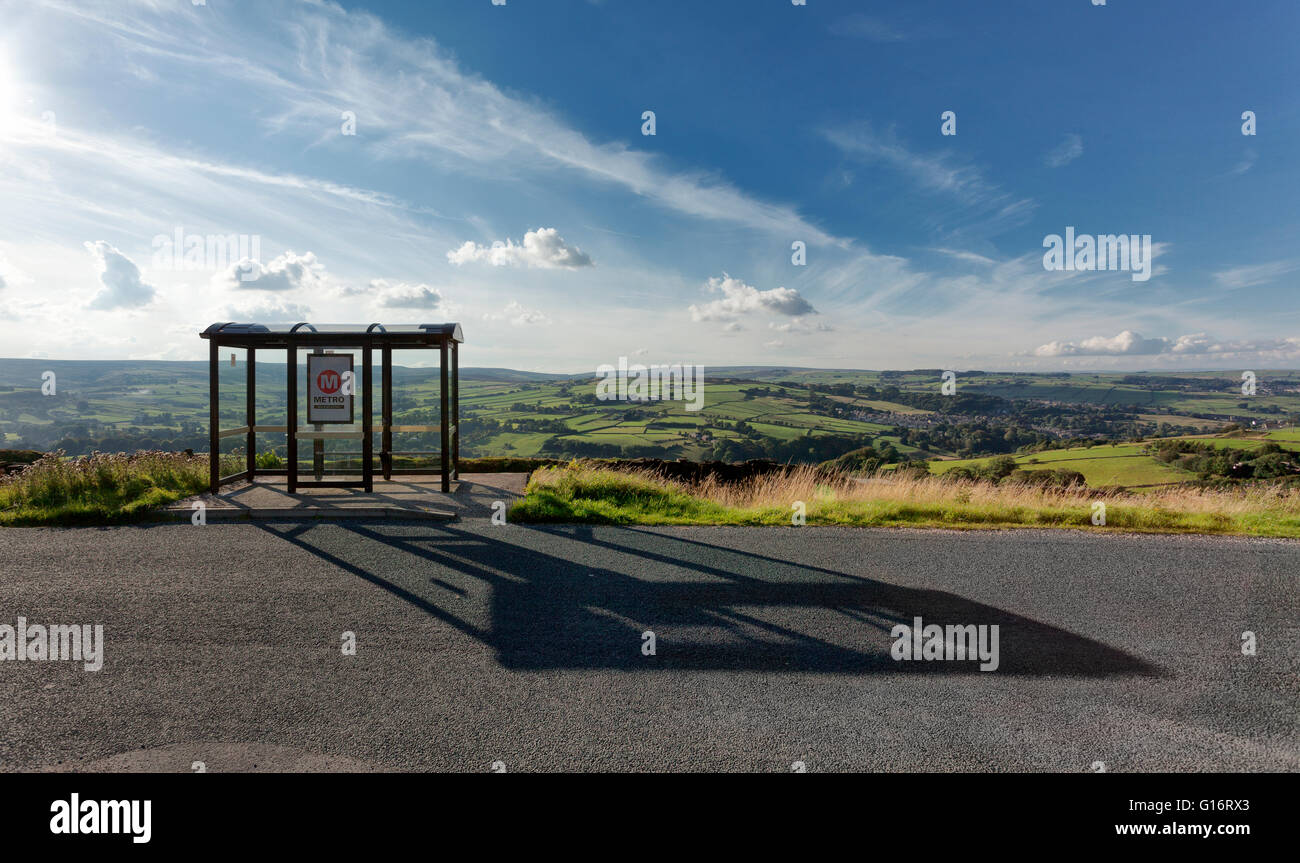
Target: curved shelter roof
[{"x": 308, "y": 334}]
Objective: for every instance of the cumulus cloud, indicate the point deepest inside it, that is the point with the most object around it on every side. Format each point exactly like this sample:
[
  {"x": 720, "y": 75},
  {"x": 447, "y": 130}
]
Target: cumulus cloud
[
  {"x": 287, "y": 272},
  {"x": 1200, "y": 343},
  {"x": 1065, "y": 152},
  {"x": 1126, "y": 343},
  {"x": 543, "y": 248},
  {"x": 120, "y": 278},
  {"x": 401, "y": 295},
  {"x": 739, "y": 299},
  {"x": 1129, "y": 343}
]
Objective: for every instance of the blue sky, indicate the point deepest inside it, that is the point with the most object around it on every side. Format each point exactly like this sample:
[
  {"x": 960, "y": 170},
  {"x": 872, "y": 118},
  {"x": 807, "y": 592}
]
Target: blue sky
[{"x": 520, "y": 126}]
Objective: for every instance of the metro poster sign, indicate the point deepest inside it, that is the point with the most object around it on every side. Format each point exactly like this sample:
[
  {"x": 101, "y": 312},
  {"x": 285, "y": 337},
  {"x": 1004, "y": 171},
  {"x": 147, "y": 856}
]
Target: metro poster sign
[{"x": 329, "y": 388}]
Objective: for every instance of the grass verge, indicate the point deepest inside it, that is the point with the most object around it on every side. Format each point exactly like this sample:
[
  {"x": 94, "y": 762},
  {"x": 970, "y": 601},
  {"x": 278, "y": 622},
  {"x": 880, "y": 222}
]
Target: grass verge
[
  {"x": 99, "y": 489},
  {"x": 586, "y": 493}
]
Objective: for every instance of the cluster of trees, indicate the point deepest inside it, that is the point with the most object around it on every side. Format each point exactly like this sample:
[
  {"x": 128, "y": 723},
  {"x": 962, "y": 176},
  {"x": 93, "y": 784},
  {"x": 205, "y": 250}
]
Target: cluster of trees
[
  {"x": 482, "y": 427},
  {"x": 563, "y": 447},
  {"x": 809, "y": 449},
  {"x": 1160, "y": 382},
  {"x": 959, "y": 403},
  {"x": 867, "y": 459},
  {"x": 971, "y": 439},
  {"x": 527, "y": 407},
  {"x": 828, "y": 389},
  {"x": 1207, "y": 461},
  {"x": 130, "y": 440},
  {"x": 1004, "y": 469},
  {"x": 1069, "y": 443}
]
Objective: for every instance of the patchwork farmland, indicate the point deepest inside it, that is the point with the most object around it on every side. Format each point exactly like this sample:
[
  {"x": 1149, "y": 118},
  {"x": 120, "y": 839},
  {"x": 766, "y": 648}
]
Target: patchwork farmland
[{"x": 1089, "y": 423}]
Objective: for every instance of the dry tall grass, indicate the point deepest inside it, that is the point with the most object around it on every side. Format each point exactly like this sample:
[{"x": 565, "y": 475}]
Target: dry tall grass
[
  {"x": 806, "y": 483},
  {"x": 588, "y": 492}
]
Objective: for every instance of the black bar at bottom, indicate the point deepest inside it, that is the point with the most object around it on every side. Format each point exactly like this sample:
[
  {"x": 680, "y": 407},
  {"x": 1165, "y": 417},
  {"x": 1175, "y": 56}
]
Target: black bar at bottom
[{"x": 975, "y": 812}]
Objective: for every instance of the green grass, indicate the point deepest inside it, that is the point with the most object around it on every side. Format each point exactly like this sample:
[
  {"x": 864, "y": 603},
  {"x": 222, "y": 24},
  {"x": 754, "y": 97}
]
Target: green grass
[
  {"x": 100, "y": 489},
  {"x": 611, "y": 497}
]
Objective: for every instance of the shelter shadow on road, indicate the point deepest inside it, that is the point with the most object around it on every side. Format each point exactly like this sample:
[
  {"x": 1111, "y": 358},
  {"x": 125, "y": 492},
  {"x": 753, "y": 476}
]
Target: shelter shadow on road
[{"x": 710, "y": 607}]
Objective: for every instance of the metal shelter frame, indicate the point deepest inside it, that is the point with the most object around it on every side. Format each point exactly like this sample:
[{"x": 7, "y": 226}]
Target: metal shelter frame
[{"x": 445, "y": 338}]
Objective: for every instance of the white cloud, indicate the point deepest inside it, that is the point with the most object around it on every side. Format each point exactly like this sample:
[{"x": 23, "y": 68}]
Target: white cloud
[
  {"x": 405, "y": 296},
  {"x": 1247, "y": 162},
  {"x": 1065, "y": 152},
  {"x": 518, "y": 316},
  {"x": 937, "y": 172},
  {"x": 967, "y": 257},
  {"x": 1129, "y": 343},
  {"x": 1257, "y": 274},
  {"x": 740, "y": 299},
  {"x": 120, "y": 277},
  {"x": 412, "y": 99},
  {"x": 288, "y": 272},
  {"x": 1200, "y": 343},
  {"x": 543, "y": 248},
  {"x": 293, "y": 66},
  {"x": 987, "y": 209}
]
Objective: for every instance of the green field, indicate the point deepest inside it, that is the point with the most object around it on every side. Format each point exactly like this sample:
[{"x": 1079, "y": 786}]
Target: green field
[{"x": 1119, "y": 464}]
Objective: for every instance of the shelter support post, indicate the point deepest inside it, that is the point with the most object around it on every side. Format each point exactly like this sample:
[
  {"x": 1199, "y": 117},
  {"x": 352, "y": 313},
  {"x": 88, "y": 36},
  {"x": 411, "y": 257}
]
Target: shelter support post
[
  {"x": 386, "y": 436},
  {"x": 444, "y": 418},
  {"x": 251, "y": 419},
  {"x": 367, "y": 417},
  {"x": 214, "y": 419},
  {"x": 291, "y": 426},
  {"x": 455, "y": 410}
]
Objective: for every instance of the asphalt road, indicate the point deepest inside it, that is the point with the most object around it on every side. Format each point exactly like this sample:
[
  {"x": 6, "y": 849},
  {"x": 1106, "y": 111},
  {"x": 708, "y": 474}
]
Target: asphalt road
[{"x": 521, "y": 645}]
